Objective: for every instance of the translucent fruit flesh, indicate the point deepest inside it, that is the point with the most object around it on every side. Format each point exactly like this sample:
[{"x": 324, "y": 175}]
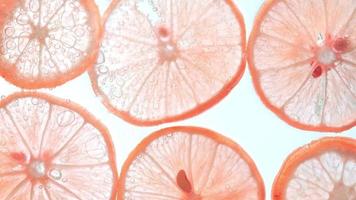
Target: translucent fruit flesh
[
  {"x": 45, "y": 43},
  {"x": 189, "y": 163},
  {"x": 303, "y": 62},
  {"x": 51, "y": 149},
  {"x": 323, "y": 170},
  {"x": 165, "y": 60}
]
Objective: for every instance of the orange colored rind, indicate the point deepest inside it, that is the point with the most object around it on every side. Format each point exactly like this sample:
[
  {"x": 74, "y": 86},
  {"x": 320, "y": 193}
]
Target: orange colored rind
[
  {"x": 323, "y": 169},
  {"x": 301, "y": 56},
  {"x": 145, "y": 73},
  {"x": 44, "y": 44},
  {"x": 189, "y": 163},
  {"x": 53, "y": 149}
]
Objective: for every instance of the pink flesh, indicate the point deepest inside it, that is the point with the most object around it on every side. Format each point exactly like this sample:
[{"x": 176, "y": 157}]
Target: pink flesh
[
  {"x": 286, "y": 45},
  {"x": 141, "y": 81},
  {"x": 40, "y": 46},
  {"x": 212, "y": 171},
  {"x": 330, "y": 175},
  {"x": 53, "y": 147}
]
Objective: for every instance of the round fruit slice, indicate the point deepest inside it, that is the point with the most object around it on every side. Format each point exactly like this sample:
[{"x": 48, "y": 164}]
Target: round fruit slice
[
  {"x": 323, "y": 170},
  {"x": 189, "y": 163},
  {"x": 53, "y": 149},
  {"x": 302, "y": 58},
  {"x": 167, "y": 60},
  {"x": 45, "y": 43}
]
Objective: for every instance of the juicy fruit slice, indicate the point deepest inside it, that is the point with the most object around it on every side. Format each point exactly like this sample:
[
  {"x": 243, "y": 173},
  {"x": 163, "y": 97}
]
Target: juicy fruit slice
[
  {"x": 167, "y": 60},
  {"x": 45, "y": 43},
  {"x": 323, "y": 170},
  {"x": 189, "y": 163},
  {"x": 303, "y": 63},
  {"x": 53, "y": 149}
]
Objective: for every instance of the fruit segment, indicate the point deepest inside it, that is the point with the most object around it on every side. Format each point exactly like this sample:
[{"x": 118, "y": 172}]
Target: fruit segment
[
  {"x": 302, "y": 60},
  {"x": 323, "y": 170},
  {"x": 164, "y": 60},
  {"x": 189, "y": 163},
  {"x": 45, "y": 43},
  {"x": 53, "y": 149}
]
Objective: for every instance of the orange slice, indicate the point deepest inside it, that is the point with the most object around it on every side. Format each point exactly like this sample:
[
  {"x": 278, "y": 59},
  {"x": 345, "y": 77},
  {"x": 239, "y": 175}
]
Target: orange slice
[
  {"x": 302, "y": 58},
  {"x": 45, "y": 43},
  {"x": 167, "y": 60},
  {"x": 53, "y": 149},
  {"x": 189, "y": 163},
  {"x": 324, "y": 169}
]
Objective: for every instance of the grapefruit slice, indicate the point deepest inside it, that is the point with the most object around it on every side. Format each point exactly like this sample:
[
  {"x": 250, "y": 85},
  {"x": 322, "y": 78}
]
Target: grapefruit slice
[
  {"x": 45, "y": 43},
  {"x": 53, "y": 149},
  {"x": 323, "y": 170},
  {"x": 189, "y": 163},
  {"x": 302, "y": 58},
  {"x": 164, "y": 60}
]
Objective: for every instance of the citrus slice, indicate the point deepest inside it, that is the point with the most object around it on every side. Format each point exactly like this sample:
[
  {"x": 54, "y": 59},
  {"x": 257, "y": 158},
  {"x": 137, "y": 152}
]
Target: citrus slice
[
  {"x": 53, "y": 149},
  {"x": 322, "y": 170},
  {"x": 302, "y": 58},
  {"x": 165, "y": 60},
  {"x": 189, "y": 163},
  {"x": 45, "y": 43}
]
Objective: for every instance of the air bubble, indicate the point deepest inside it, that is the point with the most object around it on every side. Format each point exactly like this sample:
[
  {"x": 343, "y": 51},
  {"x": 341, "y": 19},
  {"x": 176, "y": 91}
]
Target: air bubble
[
  {"x": 103, "y": 69},
  {"x": 10, "y": 44},
  {"x": 65, "y": 118},
  {"x": 22, "y": 19},
  {"x": 101, "y": 58},
  {"x": 56, "y": 174},
  {"x": 35, "y": 101},
  {"x": 132, "y": 180},
  {"x": 117, "y": 93},
  {"x": 9, "y": 31},
  {"x": 95, "y": 148},
  {"x": 34, "y": 6}
]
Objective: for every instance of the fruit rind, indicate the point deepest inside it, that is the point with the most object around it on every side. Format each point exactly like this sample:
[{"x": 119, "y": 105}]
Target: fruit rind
[
  {"x": 309, "y": 151},
  {"x": 85, "y": 63},
  {"x": 218, "y": 138},
  {"x": 255, "y": 75},
  {"x": 86, "y": 115},
  {"x": 187, "y": 114}
]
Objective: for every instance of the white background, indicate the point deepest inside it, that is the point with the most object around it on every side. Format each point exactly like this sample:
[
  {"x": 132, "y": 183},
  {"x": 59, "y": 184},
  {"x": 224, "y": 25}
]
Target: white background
[{"x": 240, "y": 116}]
